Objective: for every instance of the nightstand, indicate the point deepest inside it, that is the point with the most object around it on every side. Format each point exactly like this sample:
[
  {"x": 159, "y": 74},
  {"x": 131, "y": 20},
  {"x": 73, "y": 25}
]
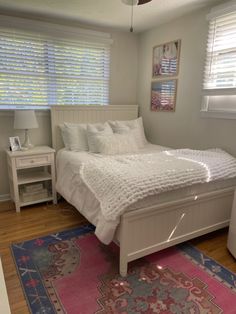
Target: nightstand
[{"x": 32, "y": 176}]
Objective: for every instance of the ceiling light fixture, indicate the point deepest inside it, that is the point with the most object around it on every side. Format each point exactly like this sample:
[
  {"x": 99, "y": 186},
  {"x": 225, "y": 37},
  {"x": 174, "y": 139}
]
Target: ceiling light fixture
[{"x": 132, "y": 3}]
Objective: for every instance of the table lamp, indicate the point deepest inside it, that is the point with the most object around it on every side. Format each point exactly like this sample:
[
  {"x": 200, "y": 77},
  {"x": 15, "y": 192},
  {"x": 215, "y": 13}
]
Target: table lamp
[{"x": 25, "y": 120}]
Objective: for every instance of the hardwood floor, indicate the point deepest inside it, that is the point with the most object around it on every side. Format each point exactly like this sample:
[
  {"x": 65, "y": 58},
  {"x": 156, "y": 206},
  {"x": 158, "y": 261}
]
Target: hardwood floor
[
  {"x": 44, "y": 219},
  {"x": 30, "y": 223}
]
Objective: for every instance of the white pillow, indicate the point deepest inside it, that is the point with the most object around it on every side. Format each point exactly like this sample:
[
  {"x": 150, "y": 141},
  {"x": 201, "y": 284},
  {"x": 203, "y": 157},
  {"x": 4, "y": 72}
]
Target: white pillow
[
  {"x": 134, "y": 126},
  {"x": 64, "y": 135},
  {"x": 93, "y": 130},
  {"x": 116, "y": 144},
  {"x": 75, "y": 137}
]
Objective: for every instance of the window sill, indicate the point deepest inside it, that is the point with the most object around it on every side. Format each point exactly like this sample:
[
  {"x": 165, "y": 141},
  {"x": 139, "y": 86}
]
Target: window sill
[{"x": 218, "y": 114}]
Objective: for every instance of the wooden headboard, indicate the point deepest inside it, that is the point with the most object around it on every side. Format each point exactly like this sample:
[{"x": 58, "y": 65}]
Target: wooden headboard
[{"x": 86, "y": 114}]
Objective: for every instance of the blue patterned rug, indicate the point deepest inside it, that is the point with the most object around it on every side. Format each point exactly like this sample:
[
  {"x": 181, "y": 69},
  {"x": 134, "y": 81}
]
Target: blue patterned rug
[{"x": 72, "y": 272}]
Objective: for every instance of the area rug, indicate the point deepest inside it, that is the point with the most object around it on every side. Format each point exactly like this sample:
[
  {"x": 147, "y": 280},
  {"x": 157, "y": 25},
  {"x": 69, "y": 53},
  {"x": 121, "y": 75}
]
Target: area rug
[{"x": 72, "y": 272}]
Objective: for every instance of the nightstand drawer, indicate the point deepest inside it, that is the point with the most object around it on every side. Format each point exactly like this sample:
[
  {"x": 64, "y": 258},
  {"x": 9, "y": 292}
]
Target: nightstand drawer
[{"x": 34, "y": 160}]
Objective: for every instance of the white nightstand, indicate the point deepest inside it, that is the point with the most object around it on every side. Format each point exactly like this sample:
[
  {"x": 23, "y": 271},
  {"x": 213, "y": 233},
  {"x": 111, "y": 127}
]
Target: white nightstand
[{"x": 28, "y": 170}]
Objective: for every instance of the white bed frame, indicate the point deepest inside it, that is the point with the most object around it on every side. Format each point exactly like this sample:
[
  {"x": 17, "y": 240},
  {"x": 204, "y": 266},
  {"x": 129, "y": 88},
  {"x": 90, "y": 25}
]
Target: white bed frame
[{"x": 151, "y": 229}]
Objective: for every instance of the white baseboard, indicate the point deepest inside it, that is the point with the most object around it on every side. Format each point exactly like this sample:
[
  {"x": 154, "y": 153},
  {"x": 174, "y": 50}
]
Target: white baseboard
[
  {"x": 4, "y": 197},
  {"x": 4, "y": 304}
]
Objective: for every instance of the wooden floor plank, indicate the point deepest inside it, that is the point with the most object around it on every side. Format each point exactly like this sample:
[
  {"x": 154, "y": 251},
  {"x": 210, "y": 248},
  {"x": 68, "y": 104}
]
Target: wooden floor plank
[{"x": 43, "y": 219}]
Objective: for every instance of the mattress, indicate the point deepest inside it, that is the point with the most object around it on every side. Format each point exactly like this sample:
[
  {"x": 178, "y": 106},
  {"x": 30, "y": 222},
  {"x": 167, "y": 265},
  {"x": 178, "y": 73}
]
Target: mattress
[{"x": 78, "y": 194}]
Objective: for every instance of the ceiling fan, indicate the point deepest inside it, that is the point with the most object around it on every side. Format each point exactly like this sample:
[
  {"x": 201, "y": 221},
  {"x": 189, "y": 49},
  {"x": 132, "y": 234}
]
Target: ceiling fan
[{"x": 133, "y": 3}]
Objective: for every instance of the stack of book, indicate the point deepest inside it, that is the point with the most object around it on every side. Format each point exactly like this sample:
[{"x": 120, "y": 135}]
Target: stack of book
[{"x": 33, "y": 192}]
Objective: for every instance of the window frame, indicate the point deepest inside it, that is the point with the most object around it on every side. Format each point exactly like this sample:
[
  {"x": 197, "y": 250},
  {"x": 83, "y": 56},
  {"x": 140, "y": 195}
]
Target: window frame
[
  {"x": 55, "y": 31},
  {"x": 207, "y": 94}
]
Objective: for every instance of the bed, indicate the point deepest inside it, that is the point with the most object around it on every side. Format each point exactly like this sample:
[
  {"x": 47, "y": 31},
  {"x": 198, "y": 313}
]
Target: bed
[{"x": 151, "y": 224}]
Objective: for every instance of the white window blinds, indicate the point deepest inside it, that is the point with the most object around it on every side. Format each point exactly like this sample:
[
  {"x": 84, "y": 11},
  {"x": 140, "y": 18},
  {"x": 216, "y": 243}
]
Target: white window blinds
[
  {"x": 40, "y": 70},
  {"x": 220, "y": 67}
]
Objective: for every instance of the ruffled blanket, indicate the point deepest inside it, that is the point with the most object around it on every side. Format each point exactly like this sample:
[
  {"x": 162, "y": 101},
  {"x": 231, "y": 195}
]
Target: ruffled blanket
[{"x": 119, "y": 181}]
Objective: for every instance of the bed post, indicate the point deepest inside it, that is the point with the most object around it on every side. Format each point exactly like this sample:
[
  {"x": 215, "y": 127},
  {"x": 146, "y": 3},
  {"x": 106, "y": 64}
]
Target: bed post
[{"x": 123, "y": 247}]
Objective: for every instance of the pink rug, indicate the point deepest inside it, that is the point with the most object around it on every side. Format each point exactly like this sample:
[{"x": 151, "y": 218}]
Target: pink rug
[{"x": 72, "y": 272}]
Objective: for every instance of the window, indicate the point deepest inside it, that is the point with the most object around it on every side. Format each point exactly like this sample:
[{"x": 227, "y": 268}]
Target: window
[
  {"x": 40, "y": 70},
  {"x": 219, "y": 85}
]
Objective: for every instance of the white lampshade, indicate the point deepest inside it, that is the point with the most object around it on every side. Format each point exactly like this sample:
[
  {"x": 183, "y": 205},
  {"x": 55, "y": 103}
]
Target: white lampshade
[{"x": 25, "y": 119}]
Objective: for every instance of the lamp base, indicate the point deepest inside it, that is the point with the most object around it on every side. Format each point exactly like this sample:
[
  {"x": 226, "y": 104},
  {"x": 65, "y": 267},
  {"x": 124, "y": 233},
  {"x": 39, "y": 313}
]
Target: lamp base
[{"x": 27, "y": 144}]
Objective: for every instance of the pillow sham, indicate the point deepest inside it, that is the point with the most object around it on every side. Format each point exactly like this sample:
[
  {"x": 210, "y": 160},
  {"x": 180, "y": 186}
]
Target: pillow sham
[
  {"x": 134, "y": 126},
  {"x": 64, "y": 136},
  {"x": 93, "y": 130},
  {"x": 75, "y": 137},
  {"x": 116, "y": 144}
]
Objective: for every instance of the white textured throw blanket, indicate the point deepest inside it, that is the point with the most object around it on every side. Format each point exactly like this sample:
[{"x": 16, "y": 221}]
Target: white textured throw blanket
[{"x": 119, "y": 181}]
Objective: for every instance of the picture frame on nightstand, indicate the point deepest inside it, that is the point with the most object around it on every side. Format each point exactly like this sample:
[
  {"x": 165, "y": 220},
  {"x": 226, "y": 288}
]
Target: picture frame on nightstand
[{"x": 15, "y": 143}]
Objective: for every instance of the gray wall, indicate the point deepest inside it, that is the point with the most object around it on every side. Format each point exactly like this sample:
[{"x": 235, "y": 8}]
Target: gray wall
[
  {"x": 184, "y": 127},
  {"x": 123, "y": 91}
]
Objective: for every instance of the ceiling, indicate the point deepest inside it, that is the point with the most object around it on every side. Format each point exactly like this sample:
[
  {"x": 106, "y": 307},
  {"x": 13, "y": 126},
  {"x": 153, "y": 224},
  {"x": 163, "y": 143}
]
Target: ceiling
[{"x": 105, "y": 13}]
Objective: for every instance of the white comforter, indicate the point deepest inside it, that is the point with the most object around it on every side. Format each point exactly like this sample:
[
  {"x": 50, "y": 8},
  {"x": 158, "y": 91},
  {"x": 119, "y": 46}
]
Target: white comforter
[
  {"x": 71, "y": 165},
  {"x": 118, "y": 181}
]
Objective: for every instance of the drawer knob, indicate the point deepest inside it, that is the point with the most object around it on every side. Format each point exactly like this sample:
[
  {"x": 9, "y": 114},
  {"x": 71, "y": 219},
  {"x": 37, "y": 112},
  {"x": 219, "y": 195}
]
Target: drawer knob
[{"x": 32, "y": 161}]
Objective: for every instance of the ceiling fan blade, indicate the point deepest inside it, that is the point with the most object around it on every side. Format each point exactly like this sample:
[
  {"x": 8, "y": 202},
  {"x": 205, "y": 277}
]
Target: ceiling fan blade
[{"x": 143, "y": 1}]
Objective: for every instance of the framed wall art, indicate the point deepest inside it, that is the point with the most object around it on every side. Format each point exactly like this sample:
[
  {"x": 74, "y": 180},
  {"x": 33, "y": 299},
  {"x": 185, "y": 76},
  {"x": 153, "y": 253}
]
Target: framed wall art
[
  {"x": 165, "y": 60},
  {"x": 163, "y": 95}
]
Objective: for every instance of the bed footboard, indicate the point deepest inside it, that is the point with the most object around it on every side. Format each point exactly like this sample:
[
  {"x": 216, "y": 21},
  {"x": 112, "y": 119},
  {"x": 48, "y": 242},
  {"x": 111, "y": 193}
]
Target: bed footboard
[{"x": 152, "y": 229}]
